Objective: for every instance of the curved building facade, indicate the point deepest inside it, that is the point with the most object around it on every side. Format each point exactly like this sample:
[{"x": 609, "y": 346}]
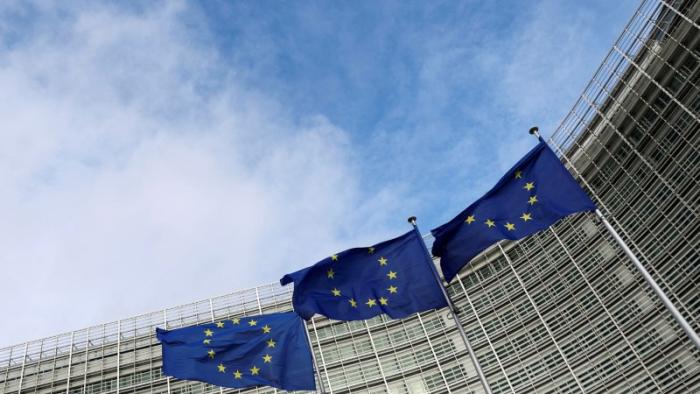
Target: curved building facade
[{"x": 580, "y": 320}]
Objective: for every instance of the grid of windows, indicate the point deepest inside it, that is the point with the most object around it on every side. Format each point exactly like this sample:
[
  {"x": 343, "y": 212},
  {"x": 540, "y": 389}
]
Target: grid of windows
[{"x": 632, "y": 139}]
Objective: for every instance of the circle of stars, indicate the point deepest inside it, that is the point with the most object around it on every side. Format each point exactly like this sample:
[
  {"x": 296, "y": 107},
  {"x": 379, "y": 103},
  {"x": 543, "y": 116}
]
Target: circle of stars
[
  {"x": 382, "y": 261},
  {"x": 509, "y": 226},
  {"x": 267, "y": 358}
]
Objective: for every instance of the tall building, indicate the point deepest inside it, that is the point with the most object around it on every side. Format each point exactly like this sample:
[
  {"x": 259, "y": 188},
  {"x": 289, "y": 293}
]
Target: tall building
[{"x": 583, "y": 321}]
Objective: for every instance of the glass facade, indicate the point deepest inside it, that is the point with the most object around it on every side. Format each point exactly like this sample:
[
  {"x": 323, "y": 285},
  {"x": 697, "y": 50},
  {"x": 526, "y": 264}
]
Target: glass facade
[{"x": 632, "y": 139}]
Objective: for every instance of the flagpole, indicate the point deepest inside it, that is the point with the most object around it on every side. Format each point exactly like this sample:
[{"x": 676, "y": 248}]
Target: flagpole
[
  {"x": 453, "y": 310},
  {"x": 651, "y": 282},
  {"x": 645, "y": 274},
  {"x": 319, "y": 390}
]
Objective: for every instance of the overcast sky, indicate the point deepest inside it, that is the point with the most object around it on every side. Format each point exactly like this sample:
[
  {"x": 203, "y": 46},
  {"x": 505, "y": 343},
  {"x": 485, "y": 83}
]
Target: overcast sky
[{"x": 157, "y": 153}]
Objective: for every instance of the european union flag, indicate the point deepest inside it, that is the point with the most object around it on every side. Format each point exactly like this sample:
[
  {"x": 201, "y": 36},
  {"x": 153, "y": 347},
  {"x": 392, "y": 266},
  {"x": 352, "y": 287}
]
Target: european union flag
[
  {"x": 264, "y": 350},
  {"x": 392, "y": 277},
  {"x": 531, "y": 196}
]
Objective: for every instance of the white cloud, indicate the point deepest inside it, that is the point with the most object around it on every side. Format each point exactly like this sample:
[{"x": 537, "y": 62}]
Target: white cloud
[
  {"x": 140, "y": 167},
  {"x": 137, "y": 173}
]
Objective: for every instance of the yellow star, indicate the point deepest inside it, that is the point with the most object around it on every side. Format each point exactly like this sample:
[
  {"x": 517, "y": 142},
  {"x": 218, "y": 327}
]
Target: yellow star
[
  {"x": 529, "y": 186},
  {"x": 391, "y": 275},
  {"x": 221, "y": 367},
  {"x": 206, "y": 341},
  {"x": 266, "y": 329},
  {"x": 236, "y": 320},
  {"x": 518, "y": 174},
  {"x": 371, "y": 302},
  {"x": 353, "y": 303},
  {"x": 532, "y": 200},
  {"x": 335, "y": 292},
  {"x": 393, "y": 289},
  {"x": 382, "y": 261},
  {"x": 208, "y": 332},
  {"x": 370, "y": 250},
  {"x": 220, "y": 324},
  {"x": 211, "y": 353},
  {"x": 526, "y": 216},
  {"x": 490, "y": 223},
  {"x": 271, "y": 343},
  {"x": 237, "y": 374},
  {"x": 383, "y": 301},
  {"x": 252, "y": 323},
  {"x": 331, "y": 274},
  {"x": 510, "y": 226},
  {"x": 470, "y": 219},
  {"x": 334, "y": 257},
  {"x": 254, "y": 370},
  {"x": 267, "y": 358}
]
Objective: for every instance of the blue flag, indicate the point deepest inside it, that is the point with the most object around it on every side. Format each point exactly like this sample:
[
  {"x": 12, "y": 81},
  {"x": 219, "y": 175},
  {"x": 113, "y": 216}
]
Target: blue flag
[
  {"x": 393, "y": 277},
  {"x": 531, "y": 196},
  {"x": 264, "y": 350}
]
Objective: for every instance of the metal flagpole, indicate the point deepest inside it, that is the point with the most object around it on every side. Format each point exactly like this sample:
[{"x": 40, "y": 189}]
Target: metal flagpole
[
  {"x": 645, "y": 274},
  {"x": 651, "y": 282},
  {"x": 320, "y": 389},
  {"x": 600, "y": 201},
  {"x": 453, "y": 310}
]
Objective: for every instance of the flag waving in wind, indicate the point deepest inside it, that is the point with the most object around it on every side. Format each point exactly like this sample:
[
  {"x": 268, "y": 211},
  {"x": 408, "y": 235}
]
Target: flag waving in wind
[
  {"x": 531, "y": 196},
  {"x": 264, "y": 350},
  {"x": 392, "y": 277}
]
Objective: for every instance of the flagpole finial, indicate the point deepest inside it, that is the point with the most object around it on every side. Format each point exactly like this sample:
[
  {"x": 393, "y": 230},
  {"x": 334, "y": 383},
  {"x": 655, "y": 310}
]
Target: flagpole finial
[
  {"x": 535, "y": 131},
  {"x": 412, "y": 220}
]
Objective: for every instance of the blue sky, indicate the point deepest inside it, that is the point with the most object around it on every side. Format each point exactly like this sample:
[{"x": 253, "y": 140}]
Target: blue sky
[
  {"x": 423, "y": 92},
  {"x": 158, "y": 153}
]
